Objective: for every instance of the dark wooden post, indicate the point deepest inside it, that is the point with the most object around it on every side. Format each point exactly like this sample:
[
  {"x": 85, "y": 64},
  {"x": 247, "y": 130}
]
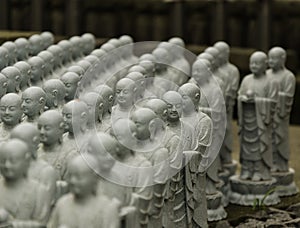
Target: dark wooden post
[
  {"x": 265, "y": 24},
  {"x": 37, "y": 15},
  {"x": 4, "y": 14},
  {"x": 219, "y": 20},
  {"x": 72, "y": 17},
  {"x": 177, "y": 18}
]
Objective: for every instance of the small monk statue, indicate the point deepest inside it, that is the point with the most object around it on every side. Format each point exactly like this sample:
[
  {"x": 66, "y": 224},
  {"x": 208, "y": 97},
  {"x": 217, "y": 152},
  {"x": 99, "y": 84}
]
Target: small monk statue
[
  {"x": 10, "y": 112},
  {"x": 37, "y": 70},
  {"x": 94, "y": 103},
  {"x": 55, "y": 94},
  {"x": 203, "y": 130},
  {"x": 109, "y": 97},
  {"x": 14, "y": 77},
  {"x": 71, "y": 81},
  {"x": 287, "y": 83},
  {"x": 149, "y": 135},
  {"x": 125, "y": 98},
  {"x": 51, "y": 127},
  {"x": 257, "y": 99},
  {"x": 34, "y": 100},
  {"x": 3, "y": 85},
  {"x": 83, "y": 206},
  {"x": 39, "y": 170},
  {"x": 21, "y": 197},
  {"x": 25, "y": 70},
  {"x": 75, "y": 114}
]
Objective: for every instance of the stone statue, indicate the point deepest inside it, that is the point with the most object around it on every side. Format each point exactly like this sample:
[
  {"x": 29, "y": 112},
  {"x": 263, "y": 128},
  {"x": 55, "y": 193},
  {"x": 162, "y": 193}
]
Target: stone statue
[
  {"x": 281, "y": 149},
  {"x": 149, "y": 135},
  {"x": 12, "y": 52},
  {"x": 177, "y": 202},
  {"x": 4, "y": 57},
  {"x": 196, "y": 184},
  {"x": 23, "y": 48},
  {"x": 25, "y": 70},
  {"x": 77, "y": 69},
  {"x": 21, "y": 197},
  {"x": 75, "y": 114},
  {"x": 125, "y": 98},
  {"x": 13, "y": 76},
  {"x": 127, "y": 53},
  {"x": 3, "y": 85},
  {"x": 71, "y": 81},
  {"x": 139, "y": 80},
  {"x": 257, "y": 98},
  {"x": 105, "y": 148},
  {"x": 34, "y": 100},
  {"x": 51, "y": 127},
  {"x": 67, "y": 47},
  {"x": 38, "y": 170},
  {"x": 138, "y": 182},
  {"x": 83, "y": 207},
  {"x": 36, "y": 44},
  {"x": 48, "y": 58},
  {"x": 109, "y": 97},
  {"x": 55, "y": 93},
  {"x": 89, "y": 43},
  {"x": 184, "y": 64},
  {"x": 163, "y": 77},
  {"x": 95, "y": 105},
  {"x": 232, "y": 76},
  {"x": 10, "y": 112},
  {"x": 48, "y": 39},
  {"x": 37, "y": 70},
  {"x": 57, "y": 52},
  {"x": 77, "y": 52},
  {"x": 150, "y": 72}
]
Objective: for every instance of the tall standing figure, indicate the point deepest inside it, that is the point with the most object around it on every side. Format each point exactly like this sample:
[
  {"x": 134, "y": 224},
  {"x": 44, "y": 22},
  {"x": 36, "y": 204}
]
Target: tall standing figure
[{"x": 281, "y": 149}]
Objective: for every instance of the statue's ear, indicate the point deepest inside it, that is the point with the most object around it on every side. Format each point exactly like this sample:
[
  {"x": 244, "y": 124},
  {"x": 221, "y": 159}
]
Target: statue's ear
[
  {"x": 42, "y": 100},
  {"x": 17, "y": 78},
  {"x": 4, "y": 84},
  {"x": 197, "y": 96},
  {"x": 55, "y": 92},
  {"x": 83, "y": 115},
  {"x": 154, "y": 126}
]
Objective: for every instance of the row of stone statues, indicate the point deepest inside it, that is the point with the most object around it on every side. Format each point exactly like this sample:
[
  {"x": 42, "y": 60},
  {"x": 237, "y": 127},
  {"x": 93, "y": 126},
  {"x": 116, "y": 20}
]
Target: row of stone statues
[{"x": 103, "y": 138}]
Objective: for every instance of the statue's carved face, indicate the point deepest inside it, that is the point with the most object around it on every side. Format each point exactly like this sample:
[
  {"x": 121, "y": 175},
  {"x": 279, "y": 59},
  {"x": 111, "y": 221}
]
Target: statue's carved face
[
  {"x": 258, "y": 64},
  {"x": 80, "y": 178},
  {"x": 13, "y": 164},
  {"x": 275, "y": 59},
  {"x": 50, "y": 130},
  {"x": 10, "y": 111},
  {"x": 174, "y": 103},
  {"x": 31, "y": 103},
  {"x": 71, "y": 87},
  {"x": 124, "y": 94}
]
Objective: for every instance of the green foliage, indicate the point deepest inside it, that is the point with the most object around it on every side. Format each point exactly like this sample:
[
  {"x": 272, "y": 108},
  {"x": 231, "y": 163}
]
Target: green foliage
[{"x": 259, "y": 204}]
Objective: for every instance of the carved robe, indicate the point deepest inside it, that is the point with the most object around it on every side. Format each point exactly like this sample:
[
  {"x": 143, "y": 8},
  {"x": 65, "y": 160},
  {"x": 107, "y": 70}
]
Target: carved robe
[
  {"x": 281, "y": 149},
  {"x": 265, "y": 93}
]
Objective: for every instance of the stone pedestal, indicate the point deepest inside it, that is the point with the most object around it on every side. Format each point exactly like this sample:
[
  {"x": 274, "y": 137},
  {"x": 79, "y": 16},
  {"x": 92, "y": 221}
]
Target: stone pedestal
[
  {"x": 215, "y": 209},
  {"x": 244, "y": 192},
  {"x": 285, "y": 183}
]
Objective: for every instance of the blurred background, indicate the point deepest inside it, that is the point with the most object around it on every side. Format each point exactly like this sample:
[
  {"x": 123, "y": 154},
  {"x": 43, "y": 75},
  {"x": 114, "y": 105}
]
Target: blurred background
[{"x": 247, "y": 25}]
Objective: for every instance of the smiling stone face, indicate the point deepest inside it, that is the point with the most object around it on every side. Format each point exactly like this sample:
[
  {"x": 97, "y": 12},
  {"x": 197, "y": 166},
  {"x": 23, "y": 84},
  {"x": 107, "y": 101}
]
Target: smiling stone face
[{"x": 10, "y": 109}]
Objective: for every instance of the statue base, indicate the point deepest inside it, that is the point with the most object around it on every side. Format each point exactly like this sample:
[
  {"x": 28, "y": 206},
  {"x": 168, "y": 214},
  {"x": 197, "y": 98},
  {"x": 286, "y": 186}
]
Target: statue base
[
  {"x": 225, "y": 188},
  {"x": 285, "y": 183},
  {"x": 215, "y": 209},
  {"x": 244, "y": 192},
  {"x": 231, "y": 167}
]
